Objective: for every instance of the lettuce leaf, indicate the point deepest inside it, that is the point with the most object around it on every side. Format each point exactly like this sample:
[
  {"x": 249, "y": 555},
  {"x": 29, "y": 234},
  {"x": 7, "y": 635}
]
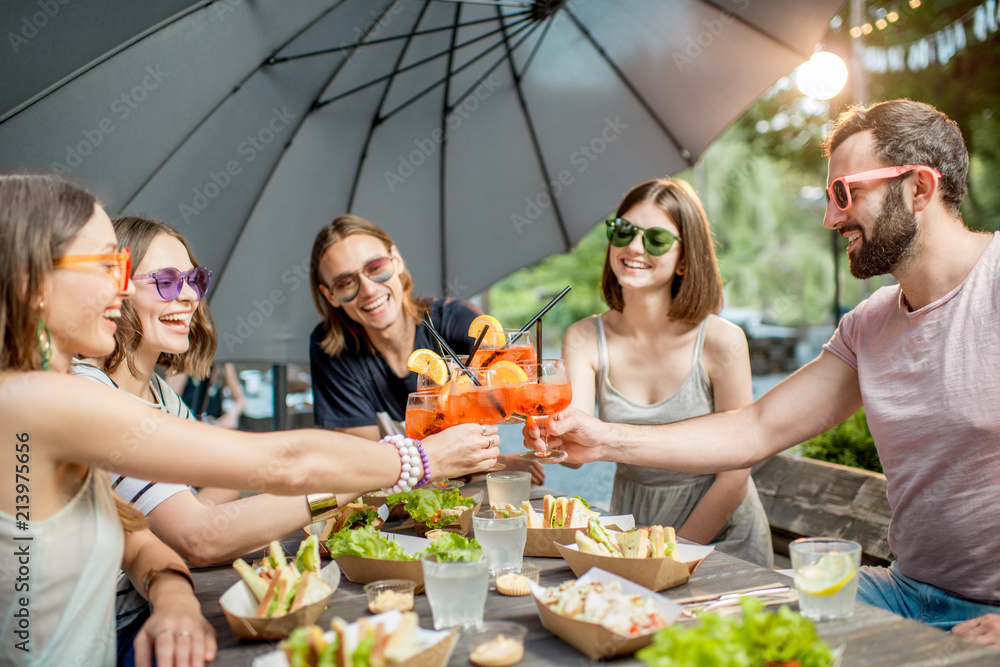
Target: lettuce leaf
[
  {"x": 366, "y": 542},
  {"x": 757, "y": 638},
  {"x": 452, "y": 547},
  {"x": 423, "y": 504}
]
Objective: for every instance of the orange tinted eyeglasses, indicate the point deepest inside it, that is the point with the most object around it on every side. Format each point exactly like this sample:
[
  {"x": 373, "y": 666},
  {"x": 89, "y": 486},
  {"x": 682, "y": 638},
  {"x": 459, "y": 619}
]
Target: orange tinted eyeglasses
[{"x": 119, "y": 264}]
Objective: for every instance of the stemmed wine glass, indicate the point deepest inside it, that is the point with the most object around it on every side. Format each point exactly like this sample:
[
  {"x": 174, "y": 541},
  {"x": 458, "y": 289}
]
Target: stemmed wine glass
[{"x": 547, "y": 391}]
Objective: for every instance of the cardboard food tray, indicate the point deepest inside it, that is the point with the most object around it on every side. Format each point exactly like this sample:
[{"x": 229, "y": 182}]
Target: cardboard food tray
[
  {"x": 361, "y": 570},
  {"x": 437, "y": 645},
  {"x": 239, "y": 604},
  {"x": 541, "y": 542},
  {"x": 656, "y": 574},
  {"x": 594, "y": 640},
  {"x": 463, "y": 526}
]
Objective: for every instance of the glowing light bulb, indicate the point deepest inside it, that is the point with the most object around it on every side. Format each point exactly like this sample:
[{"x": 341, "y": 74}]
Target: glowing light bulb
[{"x": 822, "y": 76}]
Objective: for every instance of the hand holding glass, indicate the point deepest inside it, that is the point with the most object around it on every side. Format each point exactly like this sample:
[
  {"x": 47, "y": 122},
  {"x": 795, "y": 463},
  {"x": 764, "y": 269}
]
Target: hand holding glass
[{"x": 547, "y": 391}]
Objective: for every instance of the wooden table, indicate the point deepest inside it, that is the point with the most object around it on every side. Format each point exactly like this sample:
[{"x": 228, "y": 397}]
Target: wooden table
[{"x": 874, "y": 637}]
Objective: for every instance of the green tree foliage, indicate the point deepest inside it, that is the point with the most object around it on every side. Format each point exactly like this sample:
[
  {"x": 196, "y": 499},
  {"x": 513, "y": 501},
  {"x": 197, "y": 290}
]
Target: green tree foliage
[{"x": 850, "y": 444}]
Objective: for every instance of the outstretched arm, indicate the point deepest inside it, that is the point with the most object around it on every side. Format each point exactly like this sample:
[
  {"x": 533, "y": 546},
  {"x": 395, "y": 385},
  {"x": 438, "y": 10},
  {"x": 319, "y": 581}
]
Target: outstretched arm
[
  {"x": 815, "y": 398},
  {"x": 102, "y": 427}
]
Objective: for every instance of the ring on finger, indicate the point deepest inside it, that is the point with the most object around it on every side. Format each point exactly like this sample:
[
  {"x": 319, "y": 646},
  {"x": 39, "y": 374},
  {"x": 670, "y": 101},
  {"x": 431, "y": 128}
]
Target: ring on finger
[
  {"x": 185, "y": 633},
  {"x": 482, "y": 430},
  {"x": 168, "y": 631}
]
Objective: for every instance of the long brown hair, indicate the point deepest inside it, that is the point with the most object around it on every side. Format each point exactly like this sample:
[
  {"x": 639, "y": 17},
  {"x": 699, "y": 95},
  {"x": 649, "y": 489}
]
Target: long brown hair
[
  {"x": 137, "y": 234},
  {"x": 698, "y": 291},
  {"x": 40, "y": 215},
  {"x": 341, "y": 331}
]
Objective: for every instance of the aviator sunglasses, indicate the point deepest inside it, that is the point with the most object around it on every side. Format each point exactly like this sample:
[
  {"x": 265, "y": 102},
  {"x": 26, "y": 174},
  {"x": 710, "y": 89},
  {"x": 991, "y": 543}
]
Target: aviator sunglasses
[
  {"x": 345, "y": 288},
  {"x": 170, "y": 281},
  {"x": 841, "y": 194},
  {"x": 656, "y": 240},
  {"x": 118, "y": 265}
]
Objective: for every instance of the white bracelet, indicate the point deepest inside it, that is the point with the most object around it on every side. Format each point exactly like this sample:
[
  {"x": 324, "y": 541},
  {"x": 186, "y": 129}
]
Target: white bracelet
[{"x": 411, "y": 466}]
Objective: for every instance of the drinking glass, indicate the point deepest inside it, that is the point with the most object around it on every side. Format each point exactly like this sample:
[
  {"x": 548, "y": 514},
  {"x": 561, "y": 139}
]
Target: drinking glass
[
  {"x": 508, "y": 488},
  {"x": 826, "y": 576},
  {"x": 547, "y": 391},
  {"x": 426, "y": 414},
  {"x": 456, "y": 590},
  {"x": 502, "y": 534},
  {"x": 519, "y": 350}
]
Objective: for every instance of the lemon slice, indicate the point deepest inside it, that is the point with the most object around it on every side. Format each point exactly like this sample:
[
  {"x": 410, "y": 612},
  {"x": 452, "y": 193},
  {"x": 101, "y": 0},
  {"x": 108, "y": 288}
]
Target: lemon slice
[
  {"x": 429, "y": 363},
  {"x": 826, "y": 576},
  {"x": 494, "y": 338},
  {"x": 507, "y": 372}
]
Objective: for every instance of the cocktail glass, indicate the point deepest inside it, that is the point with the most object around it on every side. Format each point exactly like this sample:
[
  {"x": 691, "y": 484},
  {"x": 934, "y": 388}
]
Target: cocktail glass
[
  {"x": 426, "y": 414},
  {"x": 826, "y": 576},
  {"x": 547, "y": 391},
  {"x": 517, "y": 347},
  {"x": 502, "y": 534},
  {"x": 508, "y": 488},
  {"x": 456, "y": 590}
]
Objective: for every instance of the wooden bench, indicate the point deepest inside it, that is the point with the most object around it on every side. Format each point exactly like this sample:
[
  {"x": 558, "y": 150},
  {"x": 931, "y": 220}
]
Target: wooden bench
[{"x": 805, "y": 497}]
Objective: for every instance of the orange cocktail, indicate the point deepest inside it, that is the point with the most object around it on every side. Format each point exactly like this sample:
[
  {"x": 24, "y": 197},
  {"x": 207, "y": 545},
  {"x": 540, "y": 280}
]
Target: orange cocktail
[
  {"x": 426, "y": 414},
  {"x": 546, "y": 392},
  {"x": 488, "y": 403},
  {"x": 510, "y": 347}
]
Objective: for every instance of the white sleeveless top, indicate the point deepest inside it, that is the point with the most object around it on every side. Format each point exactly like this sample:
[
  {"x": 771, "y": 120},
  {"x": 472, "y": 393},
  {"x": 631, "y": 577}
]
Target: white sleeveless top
[{"x": 69, "y": 581}]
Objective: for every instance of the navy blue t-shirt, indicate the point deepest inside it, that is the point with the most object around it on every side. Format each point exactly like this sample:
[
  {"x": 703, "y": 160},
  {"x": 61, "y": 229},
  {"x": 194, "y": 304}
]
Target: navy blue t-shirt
[{"x": 350, "y": 388}]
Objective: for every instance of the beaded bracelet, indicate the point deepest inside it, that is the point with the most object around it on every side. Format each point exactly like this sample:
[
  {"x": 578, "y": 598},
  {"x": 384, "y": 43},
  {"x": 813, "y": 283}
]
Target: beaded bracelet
[{"x": 415, "y": 470}]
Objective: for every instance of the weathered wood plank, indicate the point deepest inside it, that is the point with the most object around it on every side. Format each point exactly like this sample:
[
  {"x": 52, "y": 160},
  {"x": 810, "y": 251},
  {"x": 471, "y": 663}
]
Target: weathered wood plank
[{"x": 808, "y": 497}]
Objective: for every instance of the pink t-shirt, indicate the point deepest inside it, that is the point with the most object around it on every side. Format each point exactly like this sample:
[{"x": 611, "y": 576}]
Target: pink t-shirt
[{"x": 930, "y": 381}]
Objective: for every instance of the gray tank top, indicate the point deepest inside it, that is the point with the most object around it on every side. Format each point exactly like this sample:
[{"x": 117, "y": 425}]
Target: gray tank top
[{"x": 692, "y": 399}]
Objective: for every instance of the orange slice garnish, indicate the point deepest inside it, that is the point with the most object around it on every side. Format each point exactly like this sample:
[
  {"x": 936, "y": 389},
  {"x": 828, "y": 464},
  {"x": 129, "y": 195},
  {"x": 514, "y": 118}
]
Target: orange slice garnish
[
  {"x": 507, "y": 372},
  {"x": 429, "y": 363},
  {"x": 494, "y": 337}
]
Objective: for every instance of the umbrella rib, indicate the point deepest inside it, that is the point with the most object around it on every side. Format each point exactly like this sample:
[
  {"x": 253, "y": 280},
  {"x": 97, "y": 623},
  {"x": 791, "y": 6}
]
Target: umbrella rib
[
  {"x": 777, "y": 40},
  {"x": 534, "y": 50},
  {"x": 409, "y": 67},
  {"x": 335, "y": 49},
  {"x": 377, "y": 116},
  {"x": 291, "y": 138},
  {"x": 534, "y": 140},
  {"x": 684, "y": 152},
  {"x": 489, "y": 3},
  {"x": 442, "y": 164},
  {"x": 235, "y": 89},
  {"x": 529, "y": 26}
]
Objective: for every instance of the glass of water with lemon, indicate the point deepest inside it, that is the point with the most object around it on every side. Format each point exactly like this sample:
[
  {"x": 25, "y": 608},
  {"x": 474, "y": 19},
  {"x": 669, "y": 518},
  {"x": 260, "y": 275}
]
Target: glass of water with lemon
[{"x": 826, "y": 576}]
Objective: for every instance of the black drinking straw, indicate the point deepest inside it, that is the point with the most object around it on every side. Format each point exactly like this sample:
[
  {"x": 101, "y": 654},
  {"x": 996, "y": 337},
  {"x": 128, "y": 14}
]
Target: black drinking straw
[
  {"x": 537, "y": 318},
  {"x": 479, "y": 341},
  {"x": 451, "y": 353},
  {"x": 538, "y": 346}
]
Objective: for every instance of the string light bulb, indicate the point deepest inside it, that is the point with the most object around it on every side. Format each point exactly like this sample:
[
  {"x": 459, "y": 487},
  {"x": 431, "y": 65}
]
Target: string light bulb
[{"x": 822, "y": 76}]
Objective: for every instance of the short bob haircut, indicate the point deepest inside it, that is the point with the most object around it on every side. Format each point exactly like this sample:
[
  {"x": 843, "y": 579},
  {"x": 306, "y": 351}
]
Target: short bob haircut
[
  {"x": 908, "y": 132},
  {"x": 697, "y": 292},
  {"x": 39, "y": 217},
  {"x": 343, "y": 333},
  {"x": 137, "y": 234}
]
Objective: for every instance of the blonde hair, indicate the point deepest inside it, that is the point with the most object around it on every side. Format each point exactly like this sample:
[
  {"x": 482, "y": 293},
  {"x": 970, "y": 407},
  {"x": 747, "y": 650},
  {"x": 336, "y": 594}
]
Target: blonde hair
[{"x": 341, "y": 331}]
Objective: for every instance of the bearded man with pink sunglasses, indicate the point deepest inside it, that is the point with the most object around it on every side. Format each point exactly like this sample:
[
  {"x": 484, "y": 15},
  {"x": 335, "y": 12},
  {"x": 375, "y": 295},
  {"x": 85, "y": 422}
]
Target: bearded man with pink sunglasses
[{"x": 922, "y": 357}]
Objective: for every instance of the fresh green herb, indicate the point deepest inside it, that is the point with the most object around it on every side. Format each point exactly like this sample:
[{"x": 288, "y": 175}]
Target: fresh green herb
[
  {"x": 424, "y": 504},
  {"x": 368, "y": 543},
  {"x": 758, "y": 638}
]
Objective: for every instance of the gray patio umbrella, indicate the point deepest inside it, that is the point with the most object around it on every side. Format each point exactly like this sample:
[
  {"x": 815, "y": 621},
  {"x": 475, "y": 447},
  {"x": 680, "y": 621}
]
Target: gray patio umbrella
[{"x": 483, "y": 135}]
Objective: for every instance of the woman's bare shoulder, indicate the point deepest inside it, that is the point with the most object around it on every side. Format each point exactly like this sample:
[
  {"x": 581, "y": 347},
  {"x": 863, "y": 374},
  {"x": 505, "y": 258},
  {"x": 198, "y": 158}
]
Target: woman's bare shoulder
[{"x": 580, "y": 338}]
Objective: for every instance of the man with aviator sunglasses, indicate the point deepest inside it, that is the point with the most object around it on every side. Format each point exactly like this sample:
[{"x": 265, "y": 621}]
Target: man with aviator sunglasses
[
  {"x": 922, "y": 357},
  {"x": 371, "y": 324}
]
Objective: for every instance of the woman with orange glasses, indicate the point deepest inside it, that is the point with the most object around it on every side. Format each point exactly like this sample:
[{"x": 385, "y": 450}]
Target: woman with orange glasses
[{"x": 52, "y": 305}]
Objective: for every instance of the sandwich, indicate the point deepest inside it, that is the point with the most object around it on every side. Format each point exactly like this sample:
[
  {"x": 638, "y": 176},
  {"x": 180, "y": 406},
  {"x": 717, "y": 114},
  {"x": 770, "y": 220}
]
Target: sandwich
[
  {"x": 534, "y": 518},
  {"x": 376, "y": 647},
  {"x": 652, "y": 542},
  {"x": 356, "y": 515},
  {"x": 307, "y": 647},
  {"x": 282, "y": 588},
  {"x": 565, "y": 512}
]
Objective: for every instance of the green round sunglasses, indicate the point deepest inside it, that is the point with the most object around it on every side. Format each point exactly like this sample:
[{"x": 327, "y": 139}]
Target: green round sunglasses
[{"x": 656, "y": 240}]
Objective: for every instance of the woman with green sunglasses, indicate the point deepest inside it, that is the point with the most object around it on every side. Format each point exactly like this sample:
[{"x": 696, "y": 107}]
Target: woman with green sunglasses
[{"x": 661, "y": 355}]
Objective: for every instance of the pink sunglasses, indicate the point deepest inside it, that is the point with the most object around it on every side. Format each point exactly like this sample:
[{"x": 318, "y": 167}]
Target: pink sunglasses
[{"x": 841, "y": 194}]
